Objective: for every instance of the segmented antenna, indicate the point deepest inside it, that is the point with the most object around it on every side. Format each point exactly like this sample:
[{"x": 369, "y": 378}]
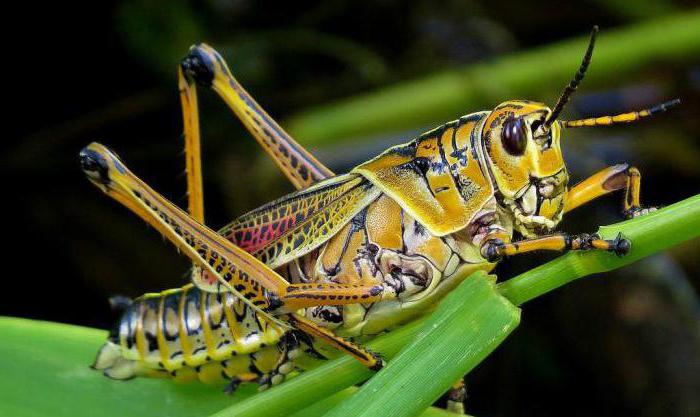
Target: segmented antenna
[
  {"x": 573, "y": 84},
  {"x": 621, "y": 118}
]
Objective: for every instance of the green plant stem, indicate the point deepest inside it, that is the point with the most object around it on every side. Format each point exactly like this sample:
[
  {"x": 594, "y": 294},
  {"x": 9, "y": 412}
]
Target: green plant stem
[
  {"x": 449, "y": 94},
  {"x": 467, "y": 326},
  {"x": 321, "y": 382},
  {"x": 491, "y": 322},
  {"x": 49, "y": 360},
  {"x": 45, "y": 371},
  {"x": 322, "y": 407},
  {"x": 649, "y": 234}
]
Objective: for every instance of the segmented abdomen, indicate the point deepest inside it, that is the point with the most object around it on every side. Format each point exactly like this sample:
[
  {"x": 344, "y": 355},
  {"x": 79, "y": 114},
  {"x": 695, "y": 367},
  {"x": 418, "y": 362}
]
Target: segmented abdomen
[{"x": 189, "y": 328}]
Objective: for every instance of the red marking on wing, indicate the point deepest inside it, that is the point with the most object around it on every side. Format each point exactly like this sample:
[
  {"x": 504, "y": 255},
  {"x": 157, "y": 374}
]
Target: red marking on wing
[{"x": 253, "y": 238}]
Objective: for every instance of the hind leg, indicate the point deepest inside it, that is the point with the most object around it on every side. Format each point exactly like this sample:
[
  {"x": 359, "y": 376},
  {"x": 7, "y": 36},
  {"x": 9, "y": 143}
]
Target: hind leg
[
  {"x": 205, "y": 66},
  {"x": 456, "y": 397}
]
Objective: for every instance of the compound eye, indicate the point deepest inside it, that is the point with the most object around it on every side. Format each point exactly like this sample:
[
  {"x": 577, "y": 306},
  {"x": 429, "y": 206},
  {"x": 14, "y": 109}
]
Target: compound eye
[{"x": 514, "y": 136}]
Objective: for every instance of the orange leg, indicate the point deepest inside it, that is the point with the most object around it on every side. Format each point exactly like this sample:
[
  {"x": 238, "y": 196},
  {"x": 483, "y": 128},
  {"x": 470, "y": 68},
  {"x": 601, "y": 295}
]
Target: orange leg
[
  {"x": 610, "y": 179},
  {"x": 297, "y": 296},
  {"x": 364, "y": 356},
  {"x": 494, "y": 249}
]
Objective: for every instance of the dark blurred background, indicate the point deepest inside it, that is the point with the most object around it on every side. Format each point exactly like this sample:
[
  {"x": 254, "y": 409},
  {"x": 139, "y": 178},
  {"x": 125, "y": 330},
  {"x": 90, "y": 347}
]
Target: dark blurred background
[{"x": 626, "y": 343}]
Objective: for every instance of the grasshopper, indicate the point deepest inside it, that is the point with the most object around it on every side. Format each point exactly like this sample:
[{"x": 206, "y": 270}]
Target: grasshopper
[{"x": 348, "y": 256}]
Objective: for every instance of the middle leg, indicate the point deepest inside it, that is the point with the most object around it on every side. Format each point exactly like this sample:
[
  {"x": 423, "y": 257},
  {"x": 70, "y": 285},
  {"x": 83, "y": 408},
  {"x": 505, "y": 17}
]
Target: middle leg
[{"x": 493, "y": 249}]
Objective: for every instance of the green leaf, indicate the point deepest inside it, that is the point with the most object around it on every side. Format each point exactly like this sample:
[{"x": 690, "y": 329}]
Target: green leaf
[
  {"x": 467, "y": 326},
  {"x": 46, "y": 372},
  {"x": 45, "y": 365},
  {"x": 484, "y": 333}
]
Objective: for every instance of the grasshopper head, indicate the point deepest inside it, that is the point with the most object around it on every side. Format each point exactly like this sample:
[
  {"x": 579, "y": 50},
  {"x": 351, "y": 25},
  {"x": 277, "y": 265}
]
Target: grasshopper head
[
  {"x": 525, "y": 160},
  {"x": 521, "y": 140}
]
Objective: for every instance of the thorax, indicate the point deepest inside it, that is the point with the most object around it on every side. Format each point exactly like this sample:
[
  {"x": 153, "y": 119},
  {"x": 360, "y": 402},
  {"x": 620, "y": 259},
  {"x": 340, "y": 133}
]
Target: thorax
[{"x": 385, "y": 244}]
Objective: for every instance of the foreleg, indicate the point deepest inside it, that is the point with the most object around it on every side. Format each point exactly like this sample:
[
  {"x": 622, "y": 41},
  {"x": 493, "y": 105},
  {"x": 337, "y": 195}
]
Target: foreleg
[{"x": 610, "y": 179}]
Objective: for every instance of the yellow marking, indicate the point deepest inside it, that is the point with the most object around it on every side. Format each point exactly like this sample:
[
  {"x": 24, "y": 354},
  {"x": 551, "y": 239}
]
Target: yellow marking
[
  {"x": 156, "y": 373},
  {"x": 138, "y": 333},
  {"x": 208, "y": 337},
  {"x": 442, "y": 184},
  {"x": 333, "y": 250},
  {"x": 185, "y": 374},
  {"x": 431, "y": 247},
  {"x": 210, "y": 373},
  {"x": 608, "y": 120},
  {"x": 633, "y": 185},
  {"x": 176, "y": 290},
  {"x": 601, "y": 244},
  {"x": 148, "y": 295},
  {"x": 184, "y": 337},
  {"x": 267, "y": 359},
  {"x": 598, "y": 185},
  {"x": 348, "y": 274},
  {"x": 441, "y": 213},
  {"x": 551, "y": 208},
  {"x": 231, "y": 320},
  {"x": 160, "y": 335},
  {"x": 239, "y": 366}
]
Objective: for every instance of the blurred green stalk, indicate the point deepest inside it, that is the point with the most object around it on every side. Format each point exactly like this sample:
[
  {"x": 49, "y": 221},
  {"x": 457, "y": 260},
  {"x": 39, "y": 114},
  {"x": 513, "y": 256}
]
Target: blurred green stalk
[{"x": 524, "y": 75}]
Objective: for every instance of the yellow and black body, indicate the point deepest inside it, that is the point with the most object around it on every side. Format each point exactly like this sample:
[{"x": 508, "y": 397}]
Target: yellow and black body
[{"x": 346, "y": 256}]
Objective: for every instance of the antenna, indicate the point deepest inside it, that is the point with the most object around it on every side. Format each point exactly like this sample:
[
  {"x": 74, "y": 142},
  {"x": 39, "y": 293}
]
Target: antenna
[
  {"x": 621, "y": 118},
  {"x": 573, "y": 84}
]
